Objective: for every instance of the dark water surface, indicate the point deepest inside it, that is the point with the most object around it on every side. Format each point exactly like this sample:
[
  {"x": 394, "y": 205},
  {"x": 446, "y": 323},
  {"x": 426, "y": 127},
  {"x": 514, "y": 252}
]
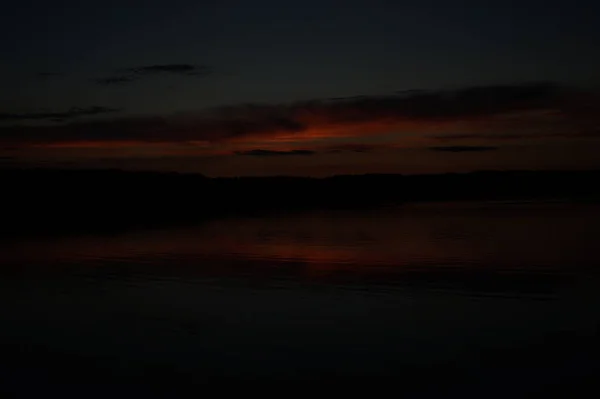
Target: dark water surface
[{"x": 467, "y": 298}]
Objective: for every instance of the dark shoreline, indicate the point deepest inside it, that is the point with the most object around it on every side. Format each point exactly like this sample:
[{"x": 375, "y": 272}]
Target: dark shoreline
[{"x": 55, "y": 201}]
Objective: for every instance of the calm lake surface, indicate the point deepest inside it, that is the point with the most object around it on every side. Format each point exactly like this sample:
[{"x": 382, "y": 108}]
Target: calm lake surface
[{"x": 482, "y": 297}]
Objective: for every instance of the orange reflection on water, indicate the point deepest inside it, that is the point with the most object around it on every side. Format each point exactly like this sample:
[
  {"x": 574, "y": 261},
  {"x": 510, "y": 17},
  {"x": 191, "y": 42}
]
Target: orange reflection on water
[{"x": 353, "y": 243}]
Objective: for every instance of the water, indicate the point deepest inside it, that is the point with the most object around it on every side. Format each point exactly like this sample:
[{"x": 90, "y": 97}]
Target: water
[{"x": 483, "y": 297}]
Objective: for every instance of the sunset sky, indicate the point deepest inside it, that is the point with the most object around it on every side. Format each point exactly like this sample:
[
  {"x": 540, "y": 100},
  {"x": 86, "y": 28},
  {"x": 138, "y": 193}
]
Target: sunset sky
[{"x": 266, "y": 87}]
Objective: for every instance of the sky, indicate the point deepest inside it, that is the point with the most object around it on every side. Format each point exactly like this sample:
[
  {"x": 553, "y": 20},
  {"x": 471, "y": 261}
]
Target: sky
[{"x": 232, "y": 87}]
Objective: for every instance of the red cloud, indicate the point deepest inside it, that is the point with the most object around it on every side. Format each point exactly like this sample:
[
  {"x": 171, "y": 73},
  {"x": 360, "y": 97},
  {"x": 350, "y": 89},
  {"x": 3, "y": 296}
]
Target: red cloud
[{"x": 244, "y": 126}]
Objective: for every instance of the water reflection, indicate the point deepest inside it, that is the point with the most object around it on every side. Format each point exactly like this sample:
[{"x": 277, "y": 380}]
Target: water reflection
[
  {"x": 315, "y": 295},
  {"x": 407, "y": 233},
  {"x": 469, "y": 247}
]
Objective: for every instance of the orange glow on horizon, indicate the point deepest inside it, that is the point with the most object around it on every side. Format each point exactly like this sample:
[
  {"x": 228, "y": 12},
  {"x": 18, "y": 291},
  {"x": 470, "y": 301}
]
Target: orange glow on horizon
[{"x": 317, "y": 130}]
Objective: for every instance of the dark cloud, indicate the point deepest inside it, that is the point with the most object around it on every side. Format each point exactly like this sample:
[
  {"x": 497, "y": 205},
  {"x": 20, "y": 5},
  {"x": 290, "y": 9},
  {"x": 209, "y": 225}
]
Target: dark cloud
[
  {"x": 351, "y": 148},
  {"x": 567, "y": 134},
  {"x": 271, "y": 153},
  {"x": 72, "y": 113},
  {"x": 421, "y": 106},
  {"x": 321, "y": 150},
  {"x": 8, "y": 162},
  {"x": 121, "y": 129},
  {"x": 128, "y": 75},
  {"x": 359, "y": 97},
  {"x": 439, "y": 105},
  {"x": 307, "y": 119},
  {"x": 492, "y": 136},
  {"x": 176, "y": 69},
  {"x": 463, "y": 148},
  {"x": 594, "y": 133},
  {"x": 10, "y": 149},
  {"x": 115, "y": 80},
  {"x": 460, "y": 136},
  {"x": 474, "y": 101}
]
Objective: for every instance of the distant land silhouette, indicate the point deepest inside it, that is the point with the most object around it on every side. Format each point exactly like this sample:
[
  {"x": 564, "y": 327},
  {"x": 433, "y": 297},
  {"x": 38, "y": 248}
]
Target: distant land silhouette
[{"x": 52, "y": 201}]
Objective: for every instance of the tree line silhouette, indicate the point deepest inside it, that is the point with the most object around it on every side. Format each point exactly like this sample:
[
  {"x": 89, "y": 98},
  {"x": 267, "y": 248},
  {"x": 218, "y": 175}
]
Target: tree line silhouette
[{"x": 52, "y": 200}]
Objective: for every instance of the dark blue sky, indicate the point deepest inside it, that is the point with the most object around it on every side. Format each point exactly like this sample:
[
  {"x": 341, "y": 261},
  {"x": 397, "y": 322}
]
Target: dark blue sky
[
  {"x": 282, "y": 51},
  {"x": 155, "y": 59}
]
